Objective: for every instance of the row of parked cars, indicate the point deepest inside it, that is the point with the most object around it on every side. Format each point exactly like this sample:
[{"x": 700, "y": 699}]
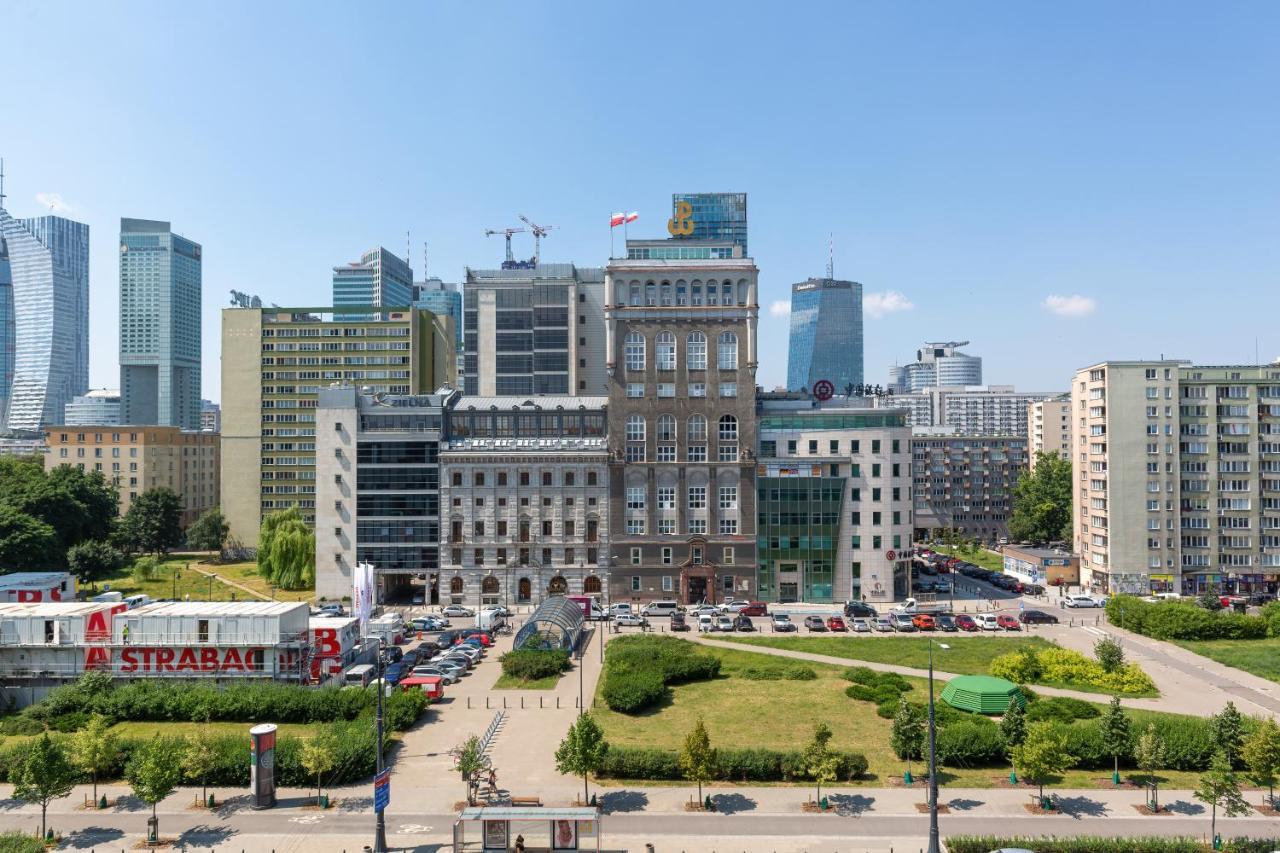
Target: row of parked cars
[
  {"x": 997, "y": 579},
  {"x": 448, "y": 657}
]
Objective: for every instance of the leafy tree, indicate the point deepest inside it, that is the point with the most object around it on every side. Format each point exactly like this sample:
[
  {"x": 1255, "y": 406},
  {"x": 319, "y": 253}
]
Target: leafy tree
[
  {"x": 1227, "y": 727},
  {"x": 44, "y": 775},
  {"x": 821, "y": 762},
  {"x": 287, "y": 550},
  {"x": 1261, "y": 755},
  {"x": 1013, "y": 726},
  {"x": 1218, "y": 787},
  {"x": 1110, "y": 654},
  {"x": 153, "y": 523},
  {"x": 318, "y": 757},
  {"x": 1149, "y": 755},
  {"x": 1042, "y": 754},
  {"x": 697, "y": 756},
  {"x": 1042, "y": 501},
  {"x": 26, "y": 543},
  {"x": 1115, "y": 732},
  {"x": 907, "y": 736},
  {"x": 470, "y": 761},
  {"x": 93, "y": 560},
  {"x": 94, "y": 748},
  {"x": 155, "y": 769},
  {"x": 583, "y": 750},
  {"x": 78, "y": 505},
  {"x": 201, "y": 759},
  {"x": 209, "y": 531},
  {"x": 144, "y": 569},
  {"x": 1210, "y": 600}
]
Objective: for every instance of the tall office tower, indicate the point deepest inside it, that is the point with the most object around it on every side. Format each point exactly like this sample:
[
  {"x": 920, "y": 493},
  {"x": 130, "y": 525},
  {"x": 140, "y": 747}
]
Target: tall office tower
[
  {"x": 274, "y": 362},
  {"x": 160, "y": 292},
  {"x": 442, "y": 299},
  {"x": 1177, "y": 485},
  {"x": 939, "y": 363},
  {"x": 1049, "y": 427},
  {"x": 380, "y": 280},
  {"x": 710, "y": 216},
  {"x": 681, "y": 331},
  {"x": 534, "y": 330},
  {"x": 826, "y": 334},
  {"x": 6, "y": 331},
  {"x": 48, "y": 328}
]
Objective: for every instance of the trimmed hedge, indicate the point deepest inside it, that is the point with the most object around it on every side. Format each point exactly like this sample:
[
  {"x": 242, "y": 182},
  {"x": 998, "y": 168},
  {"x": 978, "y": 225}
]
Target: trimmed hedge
[
  {"x": 1176, "y": 620},
  {"x": 532, "y": 664},
  {"x": 782, "y": 673},
  {"x": 970, "y": 743},
  {"x": 1084, "y": 844},
  {"x": 1062, "y": 709},
  {"x": 732, "y": 765},
  {"x": 638, "y": 669}
]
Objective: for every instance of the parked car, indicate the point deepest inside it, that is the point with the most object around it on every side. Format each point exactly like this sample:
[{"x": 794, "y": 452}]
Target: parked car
[
  {"x": 632, "y": 620},
  {"x": 743, "y": 623},
  {"x": 782, "y": 622},
  {"x": 1008, "y": 623},
  {"x": 724, "y": 623},
  {"x": 903, "y": 622},
  {"x": 678, "y": 622},
  {"x": 815, "y": 623},
  {"x": 923, "y": 622},
  {"x": 1037, "y": 617},
  {"x": 987, "y": 621},
  {"x": 965, "y": 622},
  {"x": 418, "y": 599},
  {"x": 392, "y": 654},
  {"x": 835, "y": 623},
  {"x": 945, "y": 623},
  {"x": 1032, "y": 589},
  {"x": 428, "y": 623},
  {"x": 859, "y": 609},
  {"x": 331, "y": 608},
  {"x": 457, "y": 667},
  {"x": 706, "y": 623},
  {"x": 884, "y": 623},
  {"x": 755, "y": 608},
  {"x": 449, "y": 674},
  {"x": 458, "y": 610},
  {"x": 1081, "y": 600},
  {"x": 734, "y": 606},
  {"x": 860, "y": 626}
]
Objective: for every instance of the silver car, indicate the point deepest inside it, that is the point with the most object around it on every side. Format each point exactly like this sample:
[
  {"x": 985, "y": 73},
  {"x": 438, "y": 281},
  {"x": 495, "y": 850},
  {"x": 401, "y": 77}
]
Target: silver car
[{"x": 860, "y": 626}]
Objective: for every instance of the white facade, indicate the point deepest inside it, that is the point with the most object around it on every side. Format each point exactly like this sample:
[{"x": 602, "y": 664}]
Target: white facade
[
  {"x": 100, "y": 407},
  {"x": 990, "y": 410},
  {"x": 1049, "y": 428}
]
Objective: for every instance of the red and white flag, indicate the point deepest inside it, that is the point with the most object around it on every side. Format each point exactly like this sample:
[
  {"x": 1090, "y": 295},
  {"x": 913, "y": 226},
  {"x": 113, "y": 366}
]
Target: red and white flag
[{"x": 617, "y": 219}]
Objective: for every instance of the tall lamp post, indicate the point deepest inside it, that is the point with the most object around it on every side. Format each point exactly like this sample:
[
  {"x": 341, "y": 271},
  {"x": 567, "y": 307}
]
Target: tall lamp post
[
  {"x": 934, "y": 846},
  {"x": 380, "y": 824}
]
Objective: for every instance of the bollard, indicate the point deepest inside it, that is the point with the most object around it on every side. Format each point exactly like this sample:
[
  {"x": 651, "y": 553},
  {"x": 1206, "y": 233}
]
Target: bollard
[
  {"x": 521, "y": 703},
  {"x": 486, "y": 703},
  {"x": 539, "y": 701},
  {"x": 468, "y": 703},
  {"x": 504, "y": 703},
  {"x": 557, "y": 703}
]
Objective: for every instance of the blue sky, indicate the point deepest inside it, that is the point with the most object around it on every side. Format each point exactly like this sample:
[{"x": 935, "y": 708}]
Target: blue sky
[{"x": 971, "y": 160}]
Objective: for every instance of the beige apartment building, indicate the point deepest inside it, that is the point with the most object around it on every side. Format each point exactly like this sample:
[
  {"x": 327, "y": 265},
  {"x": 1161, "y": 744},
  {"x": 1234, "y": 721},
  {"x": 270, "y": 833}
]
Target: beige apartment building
[
  {"x": 274, "y": 362},
  {"x": 1177, "y": 476},
  {"x": 138, "y": 458},
  {"x": 1049, "y": 428}
]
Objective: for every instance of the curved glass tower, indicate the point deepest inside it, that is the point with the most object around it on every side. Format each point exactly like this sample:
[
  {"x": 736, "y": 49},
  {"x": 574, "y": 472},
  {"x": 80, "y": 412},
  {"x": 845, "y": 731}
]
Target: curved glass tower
[{"x": 826, "y": 334}]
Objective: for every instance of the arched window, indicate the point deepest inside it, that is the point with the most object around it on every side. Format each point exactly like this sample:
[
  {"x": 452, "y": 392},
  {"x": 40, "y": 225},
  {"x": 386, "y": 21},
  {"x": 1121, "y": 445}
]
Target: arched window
[
  {"x": 633, "y": 350},
  {"x": 697, "y": 292},
  {"x": 695, "y": 351},
  {"x": 489, "y": 585},
  {"x": 726, "y": 351},
  {"x": 711, "y": 293},
  {"x": 455, "y": 585},
  {"x": 682, "y": 292},
  {"x": 524, "y": 589},
  {"x": 665, "y": 289},
  {"x": 635, "y": 427},
  {"x": 664, "y": 351},
  {"x": 698, "y": 428},
  {"x": 591, "y": 585},
  {"x": 635, "y": 293},
  {"x": 728, "y": 428},
  {"x": 650, "y": 293},
  {"x": 667, "y": 428}
]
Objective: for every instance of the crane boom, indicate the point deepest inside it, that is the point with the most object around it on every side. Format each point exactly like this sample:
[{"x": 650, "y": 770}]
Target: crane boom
[
  {"x": 506, "y": 232},
  {"x": 539, "y": 231}
]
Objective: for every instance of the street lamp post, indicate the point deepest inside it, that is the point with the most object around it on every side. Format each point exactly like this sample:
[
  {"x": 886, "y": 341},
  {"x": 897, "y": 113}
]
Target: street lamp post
[
  {"x": 380, "y": 825},
  {"x": 933, "y": 762}
]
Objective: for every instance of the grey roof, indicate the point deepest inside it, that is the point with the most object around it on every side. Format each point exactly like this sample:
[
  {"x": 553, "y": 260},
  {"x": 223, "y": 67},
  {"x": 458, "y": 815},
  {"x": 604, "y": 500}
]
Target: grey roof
[
  {"x": 541, "y": 271},
  {"x": 528, "y": 813},
  {"x": 529, "y": 402}
]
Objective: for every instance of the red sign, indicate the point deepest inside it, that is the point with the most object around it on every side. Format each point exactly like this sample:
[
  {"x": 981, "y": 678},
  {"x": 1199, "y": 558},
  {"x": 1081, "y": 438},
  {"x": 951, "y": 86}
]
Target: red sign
[
  {"x": 189, "y": 660},
  {"x": 823, "y": 389},
  {"x": 891, "y": 555}
]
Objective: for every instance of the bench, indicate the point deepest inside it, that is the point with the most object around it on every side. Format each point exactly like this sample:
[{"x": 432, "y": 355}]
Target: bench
[{"x": 526, "y": 801}]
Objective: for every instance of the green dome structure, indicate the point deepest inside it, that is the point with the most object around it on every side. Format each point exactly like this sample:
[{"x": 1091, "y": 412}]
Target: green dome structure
[{"x": 981, "y": 694}]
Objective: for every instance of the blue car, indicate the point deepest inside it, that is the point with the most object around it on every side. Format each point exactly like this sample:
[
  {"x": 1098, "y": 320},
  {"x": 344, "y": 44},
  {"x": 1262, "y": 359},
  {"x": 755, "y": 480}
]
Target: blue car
[{"x": 393, "y": 673}]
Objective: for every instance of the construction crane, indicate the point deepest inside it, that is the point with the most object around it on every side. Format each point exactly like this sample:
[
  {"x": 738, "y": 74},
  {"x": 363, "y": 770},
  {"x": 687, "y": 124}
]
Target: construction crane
[
  {"x": 506, "y": 232},
  {"x": 539, "y": 231}
]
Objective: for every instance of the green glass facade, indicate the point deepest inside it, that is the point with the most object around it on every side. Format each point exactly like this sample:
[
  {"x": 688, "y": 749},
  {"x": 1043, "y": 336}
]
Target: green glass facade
[{"x": 798, "y": 534}]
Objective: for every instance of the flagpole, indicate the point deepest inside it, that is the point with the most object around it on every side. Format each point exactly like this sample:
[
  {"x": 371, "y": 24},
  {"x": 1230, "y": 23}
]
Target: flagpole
[{"x": 610, "y": 240}]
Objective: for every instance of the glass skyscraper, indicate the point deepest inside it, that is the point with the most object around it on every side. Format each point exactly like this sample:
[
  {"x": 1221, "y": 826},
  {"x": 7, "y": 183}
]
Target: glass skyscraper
[
  {"x": 442, "y": 299},
  {"x": 716, "y": 216},
  {"x": 44, "y": 318},
  {"x": 380, "y": 279},
  {"x": 160, "y": 291},
  {"x": 826, "y": 334}
]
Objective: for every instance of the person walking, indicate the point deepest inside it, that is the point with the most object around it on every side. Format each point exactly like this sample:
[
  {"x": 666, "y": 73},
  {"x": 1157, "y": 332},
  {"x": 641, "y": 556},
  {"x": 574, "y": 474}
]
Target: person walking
[{"x": 124, "y": 633}]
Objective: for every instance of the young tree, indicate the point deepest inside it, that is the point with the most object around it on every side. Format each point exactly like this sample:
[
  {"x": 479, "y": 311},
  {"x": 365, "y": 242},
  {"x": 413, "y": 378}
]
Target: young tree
[
  {"x": 153, "y": 523},
  {"x": 1013, "y": 726},
  {"x": 1218, "y": 787},
  {"x": 93, "y": 560},
  {"x": 1210, "y": 600},
  {"x": 201, "y": 760},
  {"x": 907, "y": 736},
  {"x": 583, "y": 750},
  {"x": 94, "y": 748},
  {"x": 1227, "y": 727},
  {"x": 287, "y": 550},
  {"x": 209, "y": 531},
  {"x": 26, "y": 543},
  {"x": 1149, "y": 754},
  {"x": 1110, "y": 654},
  {"x": 1115, "y": 734},
  {"x": 820, "y": 761},
  {"x": 1042, "y": 501},
  {"x": 697, "y": 756},
  {"x": 1261, "y": 753},
  {"x": 1042, "y": 754},
  {"x": 44, "y": 775},
  {"x": 318, "y": 757},
  {"x": 155, "y": 769},
  {"x": 470, "y": 762}
]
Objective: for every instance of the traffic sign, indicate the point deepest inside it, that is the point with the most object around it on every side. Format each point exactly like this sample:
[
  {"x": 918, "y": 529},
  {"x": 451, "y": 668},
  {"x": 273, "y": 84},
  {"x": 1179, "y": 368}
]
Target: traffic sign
[{"x": 382, "y": 791}]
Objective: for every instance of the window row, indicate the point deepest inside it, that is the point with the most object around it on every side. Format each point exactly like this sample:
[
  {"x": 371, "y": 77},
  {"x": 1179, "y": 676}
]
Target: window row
[{"x": 634, "y": 351}]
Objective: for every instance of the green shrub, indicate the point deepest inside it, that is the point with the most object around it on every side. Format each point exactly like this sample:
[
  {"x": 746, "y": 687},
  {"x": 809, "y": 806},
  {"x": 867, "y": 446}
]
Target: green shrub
[
  {"x": 21, "y": 724},
  {"x": 1064, "y": 666},
  {"x": 861, "y": 675},
  {"x": 404, "y": 707},
  {"x": 970, "y": 743},
  {"x": 1062, "y": 709},
  {"x": 1084, "y": 744},
  {"x": 783, "y": 673},
  {"x": 1176, "y": 620},
  {"x": 638, "y": 668},
  {"x": 1022, "y": 665},
  {"x": 640, "y": 763},
  {"x": 861, "y": 692},
  {"x": 732, "y": 765},
  {"x": 630, "y": 691},
  {"x": 20, "y": 842},
  {"x": 1188, "y": 741},
  {"x": 1085, "y": 844},
  {"x": 532, "y": 664}
]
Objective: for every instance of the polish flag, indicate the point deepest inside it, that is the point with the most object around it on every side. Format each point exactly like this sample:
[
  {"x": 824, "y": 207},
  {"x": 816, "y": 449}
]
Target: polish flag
[{"x": 617, "y": 219}]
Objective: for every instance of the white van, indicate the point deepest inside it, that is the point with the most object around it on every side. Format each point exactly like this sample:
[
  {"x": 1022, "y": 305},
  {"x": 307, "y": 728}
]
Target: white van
[
  {"x": 619, "y": 609},
  {"x": 490, "y": 619},
  {"x": 138, "y": 600},
  {"x": 660, "y": 608},
  {"x": 359, "y": 675},
  {"x": 108, "y": 596},
  {"x": 1079, "y": 600},
  {"x": 986, "y": 621}
]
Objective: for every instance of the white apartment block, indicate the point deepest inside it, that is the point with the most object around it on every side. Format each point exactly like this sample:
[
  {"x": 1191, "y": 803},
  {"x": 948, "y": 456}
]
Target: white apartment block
[
  {"x": 1177, "y": 476},
  {"x": 1049, "y": 428},
  {"x": 989, "y": 410}
]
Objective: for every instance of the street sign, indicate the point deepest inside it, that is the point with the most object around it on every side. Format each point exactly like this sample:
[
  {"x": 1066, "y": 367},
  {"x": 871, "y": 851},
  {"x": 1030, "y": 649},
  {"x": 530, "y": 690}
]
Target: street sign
[{"x": 382, "y": 791}]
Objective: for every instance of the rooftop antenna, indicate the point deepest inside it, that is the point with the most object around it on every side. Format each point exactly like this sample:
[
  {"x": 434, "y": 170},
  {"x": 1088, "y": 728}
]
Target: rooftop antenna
[
  {"x": 1, "y": 182},
  {"x": 424, "y": 260},
  {"x": 408, "y": 253},
  {"x": 831, "y": 256}
]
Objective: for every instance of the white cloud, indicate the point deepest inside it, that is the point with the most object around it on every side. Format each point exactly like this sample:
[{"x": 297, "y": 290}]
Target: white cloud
[
  {"x": 54, "y": 203},
  {"x": 876, "y": 305},
  {"x": 780, "y": 308},
  {"x": 1070, "y": 306}
]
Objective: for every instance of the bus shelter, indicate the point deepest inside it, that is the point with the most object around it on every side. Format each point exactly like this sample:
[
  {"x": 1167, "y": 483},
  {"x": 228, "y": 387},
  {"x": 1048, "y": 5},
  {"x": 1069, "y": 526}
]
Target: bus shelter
[{"x": 489, "y": 829}]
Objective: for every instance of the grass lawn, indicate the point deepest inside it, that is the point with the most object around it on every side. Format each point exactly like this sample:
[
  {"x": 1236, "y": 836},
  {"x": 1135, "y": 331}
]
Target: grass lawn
[
  {"x": 737, "y": 710},
  {"x": 510, "y": 682},
  {"x": 989, "y": 560},
  {"x": 143, "y": 730},
  {"x": 193, "y": 582},
  {"x": 1260, "y": 657}
]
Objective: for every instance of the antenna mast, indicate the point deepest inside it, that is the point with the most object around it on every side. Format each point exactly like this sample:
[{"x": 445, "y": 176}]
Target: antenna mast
[
  {"x": 831, "y": 256},
  {"x": 424, "y": 260},
  {"x": 1, "y": 182}
]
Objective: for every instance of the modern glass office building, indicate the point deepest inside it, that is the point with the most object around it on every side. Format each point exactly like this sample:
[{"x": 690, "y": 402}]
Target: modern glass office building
[
  {"x": 160, "y": 329},
  {"x": 47, "y": 329},
  {"x": 442, "y": 299},
  {"x": 826, "y": 334},
  {"x": 380, "y": 279},
  {"x": 716, "y": 216},
  {"x": 6, "y": 330}
]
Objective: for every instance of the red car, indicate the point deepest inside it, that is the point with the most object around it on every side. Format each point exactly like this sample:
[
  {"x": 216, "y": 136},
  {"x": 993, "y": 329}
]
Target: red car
[
  {"x": 965, "y": 622},
  {"x": 755, "y": 608},
  {"x": 923, "y": 622},
  {"x": 835, "y": 623},
  {"x": 1008, "y": 623}
]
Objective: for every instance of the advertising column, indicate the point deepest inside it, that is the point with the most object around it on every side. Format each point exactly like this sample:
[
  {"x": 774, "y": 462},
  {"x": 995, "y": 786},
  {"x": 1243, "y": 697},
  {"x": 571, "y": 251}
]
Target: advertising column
[{"x": 262, "y": 775}]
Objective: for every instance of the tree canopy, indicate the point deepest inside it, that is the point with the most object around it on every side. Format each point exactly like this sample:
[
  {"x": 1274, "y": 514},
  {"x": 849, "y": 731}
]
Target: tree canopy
[
  {"x": 287, "y": 550},
  {"x": 49, "y": 513},
  {"x": 1042, "y": 501},
  {"x": 209, "y": 531},
  {"x": 153, "y": 523}
]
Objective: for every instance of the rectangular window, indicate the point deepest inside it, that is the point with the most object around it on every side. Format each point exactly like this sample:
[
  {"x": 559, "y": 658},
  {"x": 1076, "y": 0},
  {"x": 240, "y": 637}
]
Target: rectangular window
[
  {"x": 666, "y": 526},
  {"x": 728, "y": 526},
  {"x": 666, "y": 389},
  {"x": 635, "y": 390},
  {"x": 635, "y": 583},
  {"x": 666, "y": 497},
  {"x": 635, "y": 556},
  {"x": 697, "y": 389},
  {"x": 697, "y": 497},
  {"x": 728, "y": 389},
  {"x": 635, "y": 497},
  {"x": 727, "y": 559},
  {"x": 697, "y": 453},
  {"x": 666, "y": 556},
  {"x": 666, "y": 453},
  {"x": 728, "y": 497},
  {"x": 667, "y": 583},
  {"x": 698, "y": 526},
  {"x": 635, "y": 526}
]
